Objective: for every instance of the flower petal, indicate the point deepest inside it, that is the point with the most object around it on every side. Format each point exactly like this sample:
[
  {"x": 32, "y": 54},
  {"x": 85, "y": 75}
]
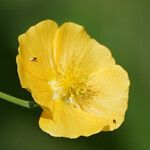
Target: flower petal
[
  {"x": 111, "y": 101},
  {"x": 40, "y": 89},
  {"x": 71, "y": 122},
  {"x": 73, "y": 45},
  {"x": 36, "y": 49},
  {"x": 35, "y": 60}
]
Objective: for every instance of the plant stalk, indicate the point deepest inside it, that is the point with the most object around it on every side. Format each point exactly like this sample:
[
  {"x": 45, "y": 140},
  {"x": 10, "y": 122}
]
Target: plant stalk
[{"x": 17, "y": 101}]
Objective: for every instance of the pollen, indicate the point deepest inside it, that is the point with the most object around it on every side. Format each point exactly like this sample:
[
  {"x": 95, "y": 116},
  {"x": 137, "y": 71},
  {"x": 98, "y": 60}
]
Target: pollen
[{"x": 72, "y": 86}]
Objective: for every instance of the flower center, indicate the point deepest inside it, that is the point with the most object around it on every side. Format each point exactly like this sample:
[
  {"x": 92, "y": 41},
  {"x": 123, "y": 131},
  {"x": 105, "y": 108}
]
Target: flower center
[{"x": 71, "y": 86}]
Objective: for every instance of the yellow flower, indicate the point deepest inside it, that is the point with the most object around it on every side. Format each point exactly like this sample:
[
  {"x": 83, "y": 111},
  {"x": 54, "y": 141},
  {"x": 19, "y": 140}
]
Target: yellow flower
[{"x": 75, "y": 80}]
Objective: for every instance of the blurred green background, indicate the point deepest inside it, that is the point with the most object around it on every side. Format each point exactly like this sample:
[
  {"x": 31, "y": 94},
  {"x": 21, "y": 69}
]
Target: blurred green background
[{"x": 122, "y": 25}]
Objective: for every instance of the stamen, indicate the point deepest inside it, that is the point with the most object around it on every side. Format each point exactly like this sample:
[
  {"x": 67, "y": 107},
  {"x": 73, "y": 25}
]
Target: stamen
[{"x": 72, "y": 87}]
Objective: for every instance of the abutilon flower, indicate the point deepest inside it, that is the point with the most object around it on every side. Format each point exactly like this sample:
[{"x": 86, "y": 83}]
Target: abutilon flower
[{"x": 74, "y": 79}]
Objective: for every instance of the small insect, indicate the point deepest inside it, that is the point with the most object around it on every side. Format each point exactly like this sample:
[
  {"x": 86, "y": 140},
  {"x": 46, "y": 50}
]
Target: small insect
[
  {"x": 114, "y": 121},
  {"x": 33, "y": 58}
]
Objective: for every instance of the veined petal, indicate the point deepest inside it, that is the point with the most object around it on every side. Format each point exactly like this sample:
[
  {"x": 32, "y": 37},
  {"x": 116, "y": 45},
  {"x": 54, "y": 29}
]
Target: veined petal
[
  {"x": 73, "y": 46},
  {"x": 39, "y": 88},
  {"x": 111, "y": 101},
  {"x": 35, "y": 60},
  {"x": 70, "y": 122},
  {"x": 36, "y": 48}
]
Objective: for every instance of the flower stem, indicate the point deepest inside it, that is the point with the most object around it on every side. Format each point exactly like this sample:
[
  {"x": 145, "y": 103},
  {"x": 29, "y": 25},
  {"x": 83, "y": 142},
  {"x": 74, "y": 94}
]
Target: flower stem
[{"x": 17, "y": 101}]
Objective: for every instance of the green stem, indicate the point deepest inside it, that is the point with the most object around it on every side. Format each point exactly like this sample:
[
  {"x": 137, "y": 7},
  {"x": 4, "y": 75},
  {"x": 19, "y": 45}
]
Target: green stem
[{"x": 17, "y": 101}]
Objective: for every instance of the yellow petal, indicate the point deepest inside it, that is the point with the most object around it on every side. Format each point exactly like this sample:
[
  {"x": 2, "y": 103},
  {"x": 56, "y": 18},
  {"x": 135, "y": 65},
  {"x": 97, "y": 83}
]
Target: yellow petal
[
  {"x": 35, "y": 60},
  {"x": 73, "y": 46},
  {"x": 111, "y": 101},
  {"x": 71, "y": 122},
  {"x": 36, "y": 49},
  {"x": 40, "y": 89}
]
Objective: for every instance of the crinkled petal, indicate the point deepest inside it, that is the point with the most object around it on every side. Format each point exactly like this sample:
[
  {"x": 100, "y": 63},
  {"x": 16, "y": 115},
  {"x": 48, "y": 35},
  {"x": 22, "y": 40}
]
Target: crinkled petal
[
  {"x": 35, "y": 59},
  {"x": 40, "y": 89},
  {"x": 71, "y": 122},
  {"x": 73, "y": 46},
  {"x": 111, "y": 101},
  {"x": 36, "y": 49}
]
